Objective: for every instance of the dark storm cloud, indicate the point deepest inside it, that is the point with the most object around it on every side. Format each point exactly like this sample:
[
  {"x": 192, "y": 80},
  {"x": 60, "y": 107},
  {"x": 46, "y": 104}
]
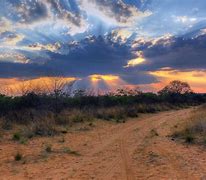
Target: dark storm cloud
[
  {"x": 93, "y": 55},
  {"x": 84, "y": 37},
  {"x": 89, "y": 56},
  {"x": 180, "y": 53},
  {"x": 104, "y": 55},
  {"x": 11, "y": 70},
  {"x": 137, "y": 77}
]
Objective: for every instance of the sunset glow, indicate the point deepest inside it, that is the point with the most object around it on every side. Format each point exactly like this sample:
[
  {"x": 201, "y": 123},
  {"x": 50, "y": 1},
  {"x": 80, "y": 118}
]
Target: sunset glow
[
  {"x": 103, "y": 43},
  {"x": 135, "y": 62},
  {"x": 42, "y": 85},
  {"x": 197, "y": 79},
  {"x": 107, "y": 78}
]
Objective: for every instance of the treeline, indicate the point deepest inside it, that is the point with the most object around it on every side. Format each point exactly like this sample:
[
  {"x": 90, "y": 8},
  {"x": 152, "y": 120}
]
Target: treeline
[
  {"x": 57, "y": 102},
  {"x": 46, "y": 114}
]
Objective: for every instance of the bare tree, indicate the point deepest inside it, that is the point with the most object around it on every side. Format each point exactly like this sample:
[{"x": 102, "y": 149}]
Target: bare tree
[
  {"x": 22, "y": 88},
  {"x": 79, "y": 93},
  {"x": 128, "y": 92},
  {"x": 6, "y": 90},
  {"x": 55, "y": 87}
]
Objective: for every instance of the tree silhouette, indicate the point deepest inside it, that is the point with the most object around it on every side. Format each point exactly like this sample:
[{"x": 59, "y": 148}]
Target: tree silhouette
[
  {"x": 176, "y": 87},
  {"x": 127, "y": 92}
]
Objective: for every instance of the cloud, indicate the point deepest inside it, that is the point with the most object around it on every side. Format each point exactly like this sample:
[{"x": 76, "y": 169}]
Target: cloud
[
  {"x": 62, "y": 13},
  {"x": 30, "y": 11},
  {"x": 74, "y": 21},
  {"x": 13, "y": 57},
  {"x": 185, "y": 52},
  {"x": 5, "y": 25},
  {"x": 98, "y": 84},
  {"x": 121, "y": 34},
  {"x": 185, "y": 19},
  {"x": 32, "y": 14},
  {"x": 8, "y": 38},
  {"x": 195, "y": 78},
  {"x": 123, "y": 38},
  {"x": 132, "y": 61},
  {"x": 92, "y": 55},
  {"x": 135, "y": 62},
  {"x": 41, "y": 47},
  {"x": 117, "y": 12},
  {"x": 23, "y": 70}
]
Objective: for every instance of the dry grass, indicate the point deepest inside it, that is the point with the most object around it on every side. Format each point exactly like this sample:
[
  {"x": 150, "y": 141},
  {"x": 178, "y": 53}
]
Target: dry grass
[
  {"x": 114, "y": 113},
  {"x": 194, "y": 130},
  {"x": 29, "y": 123}
]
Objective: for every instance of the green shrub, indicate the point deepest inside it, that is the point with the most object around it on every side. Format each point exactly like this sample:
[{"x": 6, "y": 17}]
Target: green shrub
[
  {"x": 18, "y": 156},
  {"x": 16, "y": 136},
  {"x": 189, "y": 138},
  {"x": 23, "y": 141},
  {"x": 48, "y": 148}
]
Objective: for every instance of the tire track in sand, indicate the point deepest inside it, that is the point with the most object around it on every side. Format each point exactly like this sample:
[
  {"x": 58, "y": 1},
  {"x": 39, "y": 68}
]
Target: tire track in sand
[{"x": 126, "y": 160}]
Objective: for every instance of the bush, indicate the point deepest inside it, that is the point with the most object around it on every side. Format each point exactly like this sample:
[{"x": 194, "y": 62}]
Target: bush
[
  {"x": 77, "y": 116},
  {"x": 41, "y": 114},
  {"x": 44, "y": 127},
  {"x": 6, "y": 124},
  {"x": 18, "y": 156},
  {"x": 115, "y": 113},
  {"x": 16, "y": 136},
  {"x": 48, "y": 148},
  {"x": 189, "y": 138},
  {"x": 131, "y": 112}
]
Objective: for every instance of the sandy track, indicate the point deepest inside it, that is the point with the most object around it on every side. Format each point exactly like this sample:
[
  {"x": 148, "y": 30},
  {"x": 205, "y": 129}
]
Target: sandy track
[{"x": 127, "y": 151}]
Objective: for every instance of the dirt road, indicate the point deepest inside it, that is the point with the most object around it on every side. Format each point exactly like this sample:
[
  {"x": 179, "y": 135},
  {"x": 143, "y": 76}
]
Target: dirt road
[{"x": 137, "y": 149}]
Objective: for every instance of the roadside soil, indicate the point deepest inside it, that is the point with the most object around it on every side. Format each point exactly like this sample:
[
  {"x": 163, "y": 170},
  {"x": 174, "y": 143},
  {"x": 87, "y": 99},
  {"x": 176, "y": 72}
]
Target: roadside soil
[{"x": 138, "y": 149}]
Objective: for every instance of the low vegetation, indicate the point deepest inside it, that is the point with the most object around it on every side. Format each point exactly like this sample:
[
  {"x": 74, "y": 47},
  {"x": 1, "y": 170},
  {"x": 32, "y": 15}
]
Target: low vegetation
[
  {"x": 18, "y": 156},
  {"x": 194, "y": 130},
  {"x": 67, "y": 150},
  {"x": 48, "y": 148},
  {"x": 49, "y": 114}
]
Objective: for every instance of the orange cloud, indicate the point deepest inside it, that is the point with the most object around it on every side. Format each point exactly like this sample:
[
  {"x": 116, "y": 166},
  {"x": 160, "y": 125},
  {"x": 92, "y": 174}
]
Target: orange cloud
[
  {"x": 15, "y": 86},
  {"x": 112, "y": 82},
  {"x": 135, "y": 62},
  {"x": 196, "y": 79},
  {"x": 97, "y": 77}
]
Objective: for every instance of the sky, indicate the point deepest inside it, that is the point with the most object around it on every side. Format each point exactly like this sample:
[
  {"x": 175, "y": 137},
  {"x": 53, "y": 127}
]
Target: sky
[{"x": 104, "y": 44}]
